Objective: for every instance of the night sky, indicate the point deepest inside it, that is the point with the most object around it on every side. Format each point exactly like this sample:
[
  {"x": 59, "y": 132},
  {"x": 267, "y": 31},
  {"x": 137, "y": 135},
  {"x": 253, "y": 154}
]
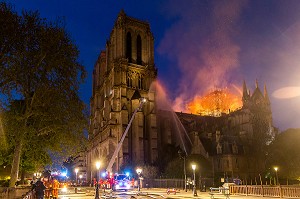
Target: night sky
[{"x": 199, "y": 45}]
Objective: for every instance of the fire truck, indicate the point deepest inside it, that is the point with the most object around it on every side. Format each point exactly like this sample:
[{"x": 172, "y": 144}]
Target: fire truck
[
  {"x": 116, "y": 182},
  {"x": 121, "y": 182}
]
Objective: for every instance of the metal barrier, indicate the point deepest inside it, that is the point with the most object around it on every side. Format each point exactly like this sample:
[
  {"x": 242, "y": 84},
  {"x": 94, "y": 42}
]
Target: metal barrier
[
  {"x": 272, "y": 191},
  {"x": 29, "y": 195},
  {"x": 219, "y": 191}
]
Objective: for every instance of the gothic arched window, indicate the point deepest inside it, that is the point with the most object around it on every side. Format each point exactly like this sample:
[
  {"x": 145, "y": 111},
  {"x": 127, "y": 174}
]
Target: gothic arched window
[
  {"x": 129, "y": 82},
  {"x": 139, "y": 50},
  {"x": 128, "y": 47},
  {"x": 141, "y": 82}
]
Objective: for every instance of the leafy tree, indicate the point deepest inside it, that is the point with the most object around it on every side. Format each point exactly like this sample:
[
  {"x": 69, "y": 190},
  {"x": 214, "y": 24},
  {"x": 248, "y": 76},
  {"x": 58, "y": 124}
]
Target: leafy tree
[
  {"x": 149, "y": 171},
  {"x": 262, "y": 136},
  {"x": 175, "y": 168},
  {"x": 40, "y": 78},
  {"x": 169, "y": 153},
  {"x": 284, "y": 153}
]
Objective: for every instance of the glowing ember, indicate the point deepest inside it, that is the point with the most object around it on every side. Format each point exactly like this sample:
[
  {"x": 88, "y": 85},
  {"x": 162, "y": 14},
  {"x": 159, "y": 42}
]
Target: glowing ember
[{"x": 215, "y": 103}]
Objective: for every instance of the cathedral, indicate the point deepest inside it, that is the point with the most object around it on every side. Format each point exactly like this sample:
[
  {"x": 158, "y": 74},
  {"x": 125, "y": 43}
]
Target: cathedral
[{"x": 124, "y": 73}]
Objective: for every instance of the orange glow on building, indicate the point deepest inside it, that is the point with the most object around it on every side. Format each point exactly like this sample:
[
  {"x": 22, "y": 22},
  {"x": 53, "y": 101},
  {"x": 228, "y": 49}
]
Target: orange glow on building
[{"x": 215, "y": 103}]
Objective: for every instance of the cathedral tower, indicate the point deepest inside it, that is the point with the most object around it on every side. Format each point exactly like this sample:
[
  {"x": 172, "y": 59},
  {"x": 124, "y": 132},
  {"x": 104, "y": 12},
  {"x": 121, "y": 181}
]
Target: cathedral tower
[{"x": 123, "y": 73}]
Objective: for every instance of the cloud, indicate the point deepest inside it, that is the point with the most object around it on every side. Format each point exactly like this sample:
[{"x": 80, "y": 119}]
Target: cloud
[{"x": 287, "y": 92}]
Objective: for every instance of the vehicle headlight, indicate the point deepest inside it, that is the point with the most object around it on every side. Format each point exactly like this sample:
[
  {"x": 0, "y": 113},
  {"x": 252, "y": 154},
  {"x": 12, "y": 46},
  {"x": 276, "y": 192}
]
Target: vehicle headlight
[{"x": 64, "y": 189}]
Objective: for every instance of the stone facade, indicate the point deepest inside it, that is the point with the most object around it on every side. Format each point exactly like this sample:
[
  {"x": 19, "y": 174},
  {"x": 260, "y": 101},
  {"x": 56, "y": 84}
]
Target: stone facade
[{"x": 123, "y": 73}]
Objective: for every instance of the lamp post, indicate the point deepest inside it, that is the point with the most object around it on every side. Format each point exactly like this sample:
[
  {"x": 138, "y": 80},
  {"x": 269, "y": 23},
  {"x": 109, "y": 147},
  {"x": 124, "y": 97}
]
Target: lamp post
[
  {"x": 76, "y": 172},
  {"x": 139, "y": 171},
  {"x": 80, "y": 179},
  {"x": 37, "y": 175},
  {"x": 194, "y": 187},
  {"x": 276, "y": 169},
  {"x": 97, "y": 184}
]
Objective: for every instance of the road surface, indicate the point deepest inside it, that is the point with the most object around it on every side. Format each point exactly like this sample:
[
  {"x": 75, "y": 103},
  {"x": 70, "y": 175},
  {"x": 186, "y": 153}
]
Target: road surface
[{"x": 147, "y": 194}]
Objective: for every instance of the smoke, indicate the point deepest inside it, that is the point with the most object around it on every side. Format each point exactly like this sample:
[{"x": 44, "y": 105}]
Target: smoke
[{"x": 202, "y": 44}]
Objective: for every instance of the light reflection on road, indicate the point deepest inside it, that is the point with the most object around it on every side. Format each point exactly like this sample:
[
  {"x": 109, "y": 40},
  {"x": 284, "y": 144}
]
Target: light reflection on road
[{"x": 114, "y": 195}]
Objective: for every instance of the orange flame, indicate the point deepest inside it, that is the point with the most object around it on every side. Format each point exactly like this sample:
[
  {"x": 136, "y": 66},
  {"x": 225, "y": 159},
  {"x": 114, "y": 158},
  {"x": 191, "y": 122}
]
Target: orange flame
[{"x": 215, "y": 103}]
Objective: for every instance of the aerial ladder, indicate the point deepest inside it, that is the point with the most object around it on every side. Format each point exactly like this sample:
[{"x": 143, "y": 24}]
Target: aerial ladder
[{"x": 115, "y": 155}]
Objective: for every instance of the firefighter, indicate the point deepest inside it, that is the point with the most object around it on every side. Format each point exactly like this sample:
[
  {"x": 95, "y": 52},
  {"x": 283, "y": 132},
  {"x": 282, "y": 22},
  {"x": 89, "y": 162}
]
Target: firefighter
[
  {"x": 101, "y": 184},
  {"x": 55, "y": 186},
  {"x": 48, "y": 185},
  {"x": 132, "y": 183}
]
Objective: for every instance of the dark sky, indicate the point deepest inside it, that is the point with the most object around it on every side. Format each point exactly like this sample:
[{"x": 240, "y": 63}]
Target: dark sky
[{"x": 200, "y": 45}]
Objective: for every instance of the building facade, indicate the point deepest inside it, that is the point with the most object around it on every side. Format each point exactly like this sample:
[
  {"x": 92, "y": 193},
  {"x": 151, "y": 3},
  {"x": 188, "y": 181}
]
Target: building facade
[{"x": 124, "y": 73}]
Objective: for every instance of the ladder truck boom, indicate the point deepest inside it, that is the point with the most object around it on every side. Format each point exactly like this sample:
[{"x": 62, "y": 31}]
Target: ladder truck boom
[{"x": 114, "y": 156}]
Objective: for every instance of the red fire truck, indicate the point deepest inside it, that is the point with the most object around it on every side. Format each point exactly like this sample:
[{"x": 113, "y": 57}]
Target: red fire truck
[{"x": 121, "y": 182}]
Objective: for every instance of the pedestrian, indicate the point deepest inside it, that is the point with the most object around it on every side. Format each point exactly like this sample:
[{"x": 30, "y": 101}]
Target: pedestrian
[{"x": 39, "y": 189}]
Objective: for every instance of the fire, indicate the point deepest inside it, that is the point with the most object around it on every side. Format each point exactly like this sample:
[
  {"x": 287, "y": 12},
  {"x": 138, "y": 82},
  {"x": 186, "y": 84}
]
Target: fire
[{"x": 215, "y": 103}]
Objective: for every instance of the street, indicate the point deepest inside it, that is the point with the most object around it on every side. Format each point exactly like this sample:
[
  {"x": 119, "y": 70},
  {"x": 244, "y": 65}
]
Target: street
[{"x": 149, "y": 193}]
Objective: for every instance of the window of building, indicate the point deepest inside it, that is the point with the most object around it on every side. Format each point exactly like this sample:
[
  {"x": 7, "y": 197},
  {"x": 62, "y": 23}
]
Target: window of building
[
  {"x": 139, "y": 50},
  {"x": 129, "y": 82},
  {"x": 236, "y": 163},
  {"x": 227, "y": 163},
  {"x": 128, "y": 47},
  {"x": 140, "y": 82},
  {"x": 235, "y": 148}
]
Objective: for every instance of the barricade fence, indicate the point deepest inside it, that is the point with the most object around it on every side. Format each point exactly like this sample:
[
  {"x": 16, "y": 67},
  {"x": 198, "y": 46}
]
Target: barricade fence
[{"x": 266, "y": 190}]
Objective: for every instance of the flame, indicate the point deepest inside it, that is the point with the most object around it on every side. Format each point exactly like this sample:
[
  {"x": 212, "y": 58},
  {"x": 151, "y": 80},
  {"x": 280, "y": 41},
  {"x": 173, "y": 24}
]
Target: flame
[{"x": 215, "y": 103}]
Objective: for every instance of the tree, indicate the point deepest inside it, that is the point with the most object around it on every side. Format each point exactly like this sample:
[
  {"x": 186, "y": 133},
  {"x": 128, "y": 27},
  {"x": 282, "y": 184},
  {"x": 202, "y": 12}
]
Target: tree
[
  {"x": 150, "y": 171},
  {"x": 40, "y": 75},
  {"x": 175, "y": 168},
  {"x": 284, "y": 153}
]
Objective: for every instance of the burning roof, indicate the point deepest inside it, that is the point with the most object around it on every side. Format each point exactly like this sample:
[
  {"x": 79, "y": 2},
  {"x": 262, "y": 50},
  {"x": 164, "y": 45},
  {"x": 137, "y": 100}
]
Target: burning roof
[{"x": 215, "y": 103}]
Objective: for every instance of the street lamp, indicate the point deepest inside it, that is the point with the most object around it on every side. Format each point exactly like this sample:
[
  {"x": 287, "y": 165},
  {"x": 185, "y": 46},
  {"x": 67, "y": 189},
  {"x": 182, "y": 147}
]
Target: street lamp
[
  {"x": 276, "y": 169},
  {"x": 37, "y": 175},
  {"x": 139, "y": 171},
  {"x": 76, "y": 171},
  {"x": 194, "y": 187},
  {"x": 97, "y": 184},
  {"x": 80, "y": 179}
]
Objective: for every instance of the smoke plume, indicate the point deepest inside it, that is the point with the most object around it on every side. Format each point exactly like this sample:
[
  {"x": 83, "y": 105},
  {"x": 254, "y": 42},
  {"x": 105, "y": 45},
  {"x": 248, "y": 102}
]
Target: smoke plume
[{"x": 202, "y": 44}]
